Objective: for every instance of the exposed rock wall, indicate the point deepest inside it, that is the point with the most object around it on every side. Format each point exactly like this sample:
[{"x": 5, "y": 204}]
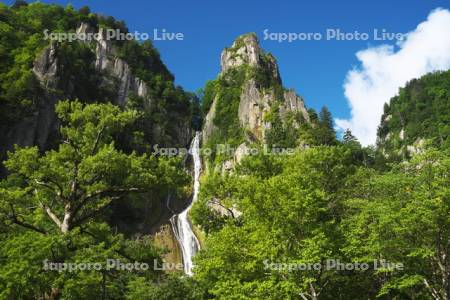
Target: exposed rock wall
[
  {"x": 108, "y": 62},
  {"x": 41, "y": 128},
  {"x": 245, "y": 50},
  {"x": 255, "y": 101}
]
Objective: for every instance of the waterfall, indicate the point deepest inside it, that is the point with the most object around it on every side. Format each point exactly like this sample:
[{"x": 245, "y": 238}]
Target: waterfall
[{"x": 181, "y": 226}]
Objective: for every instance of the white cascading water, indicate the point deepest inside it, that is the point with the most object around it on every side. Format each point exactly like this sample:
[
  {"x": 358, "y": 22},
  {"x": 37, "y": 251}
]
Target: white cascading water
[{"x": 181, "y": 226}]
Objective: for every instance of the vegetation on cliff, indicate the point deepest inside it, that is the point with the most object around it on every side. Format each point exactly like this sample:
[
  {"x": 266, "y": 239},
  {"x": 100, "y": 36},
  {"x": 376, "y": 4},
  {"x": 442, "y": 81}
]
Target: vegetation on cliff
[
  {"x": 420, "y": 111},
  {"x": 23, "y": 30}
]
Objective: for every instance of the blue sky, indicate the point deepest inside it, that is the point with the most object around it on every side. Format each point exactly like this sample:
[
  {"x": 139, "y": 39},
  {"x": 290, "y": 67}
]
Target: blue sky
[{"x": 316, "y": 69}]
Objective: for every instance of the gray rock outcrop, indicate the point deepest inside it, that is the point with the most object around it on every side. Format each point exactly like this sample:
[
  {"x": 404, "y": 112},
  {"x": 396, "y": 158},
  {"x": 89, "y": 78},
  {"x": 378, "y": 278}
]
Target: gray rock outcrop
[
  {"x": 41, "y": 127},
  {"x": 108, "y": 62},
  {"x": 255, "y": 101}
]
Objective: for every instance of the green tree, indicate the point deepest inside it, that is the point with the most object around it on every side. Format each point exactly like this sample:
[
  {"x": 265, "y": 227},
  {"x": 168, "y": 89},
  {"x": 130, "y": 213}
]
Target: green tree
[
  {"x": 87, "y": 173},
  {"x": 325, "y": 133},
  {"x": 349, "y": 137},
  {"x": 290, "y": 216},
  {"x": 402, "y": 217},
  {"x": 55, "y": 206},
  {"x": 174, "y": 288}
]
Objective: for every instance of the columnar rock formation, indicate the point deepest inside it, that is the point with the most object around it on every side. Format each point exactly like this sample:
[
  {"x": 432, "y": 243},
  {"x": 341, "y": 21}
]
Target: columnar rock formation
[{"x": 257, "y": 99}]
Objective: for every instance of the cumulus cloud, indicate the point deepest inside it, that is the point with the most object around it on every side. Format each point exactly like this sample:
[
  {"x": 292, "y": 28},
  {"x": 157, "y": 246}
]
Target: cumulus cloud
[{"x": 383, "y": 70}]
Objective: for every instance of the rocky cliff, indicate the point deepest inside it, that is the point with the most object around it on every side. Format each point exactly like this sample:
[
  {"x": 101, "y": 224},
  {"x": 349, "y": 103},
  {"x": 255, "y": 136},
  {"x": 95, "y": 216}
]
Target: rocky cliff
[
  {"x": 107, "y": 61},
  {"x": 259, "y": 99},
  {"x": 114, "y": 80}
]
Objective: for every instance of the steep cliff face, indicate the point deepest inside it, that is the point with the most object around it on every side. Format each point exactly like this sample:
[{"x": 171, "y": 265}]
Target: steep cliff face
[
  {"x": 38, "y": 128},
  {"x": 250, "y": 86},
  {"x": 114, "y": 78},
  {"x": 255, "y": 103},
  {"x": 108, "y": 62}
]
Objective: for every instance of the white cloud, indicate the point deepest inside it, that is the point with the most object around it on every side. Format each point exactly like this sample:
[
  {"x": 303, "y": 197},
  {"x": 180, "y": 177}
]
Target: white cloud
[{"x": 383, "y": 70}]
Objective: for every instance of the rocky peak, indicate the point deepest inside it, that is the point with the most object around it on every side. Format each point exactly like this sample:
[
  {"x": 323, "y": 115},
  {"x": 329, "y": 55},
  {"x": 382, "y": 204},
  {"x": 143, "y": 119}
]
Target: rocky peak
[
  {"x": 261, "y": 93},
  {"x": 246, "y": 50}
]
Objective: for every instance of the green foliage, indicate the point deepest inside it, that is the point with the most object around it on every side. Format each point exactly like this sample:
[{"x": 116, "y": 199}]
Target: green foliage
[
  {"x": 18, "y": 3},
  {"x": 421, "y": 109},
  {"x": 212, "y": 188},
  {"x": 226, "y": 91},
  {"x": 266, "y": 77},
  {"x": 292, "y": 130},
  {"x": 325, "y": 133},
  {"x": 145, "y": 61},
  {"x": 325, "y": 203},
  {"x": 336, "y": 200},
  {"x": 349, "y": 138},
  {"x": 208, "y": 95},
  {"x": 78, "y": 78},
  {"x": 55, "y": 206},
  {"x": 402, "y": 216},
  {"x": 22, "y": 40},
  {"x": 174, "y": 288},
  {"x": 282, "y": 132},
  {"x": 291, "y": 215},
  {"x": 260, "y": 165}
]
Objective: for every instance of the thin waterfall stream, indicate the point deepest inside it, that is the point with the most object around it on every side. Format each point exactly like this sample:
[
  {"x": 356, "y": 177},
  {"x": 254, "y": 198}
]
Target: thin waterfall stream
[{"x": 182, "y": 228}]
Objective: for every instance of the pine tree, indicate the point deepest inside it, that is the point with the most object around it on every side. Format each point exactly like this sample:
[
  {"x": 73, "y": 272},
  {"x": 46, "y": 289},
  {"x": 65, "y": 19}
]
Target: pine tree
[
  {"x": 326, "y": 135},
  {"x": 349, "y": 137}
]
